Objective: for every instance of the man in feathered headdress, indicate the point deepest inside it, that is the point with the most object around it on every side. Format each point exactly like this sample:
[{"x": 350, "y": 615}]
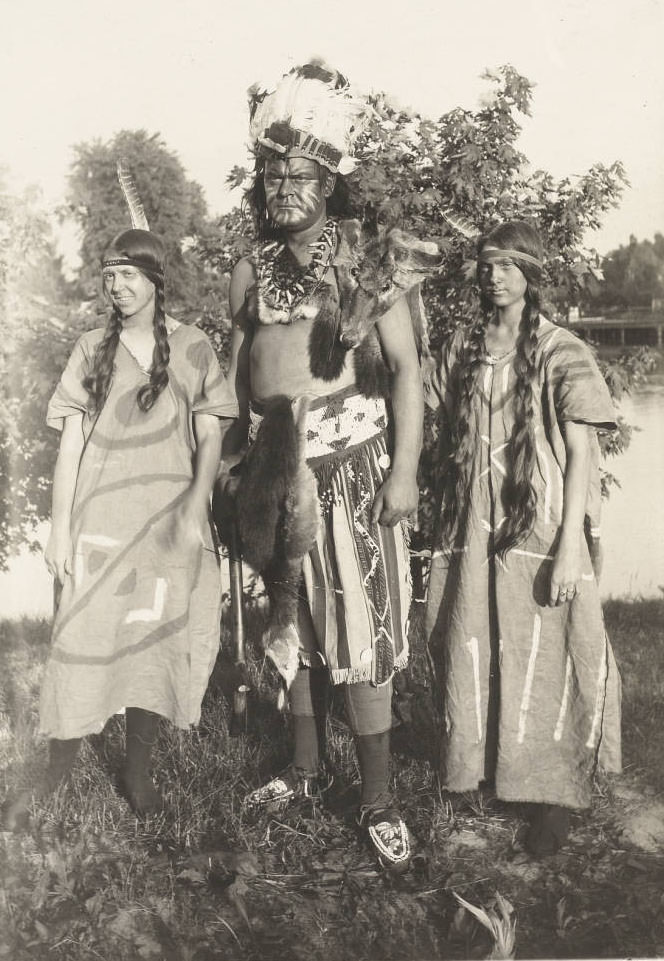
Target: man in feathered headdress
[{"x": 322, "y": 329}]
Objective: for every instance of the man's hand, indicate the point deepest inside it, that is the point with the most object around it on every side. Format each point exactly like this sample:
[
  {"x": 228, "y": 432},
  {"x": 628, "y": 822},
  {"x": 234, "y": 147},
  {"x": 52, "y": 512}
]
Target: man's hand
[{"x": 395, "y": 500}]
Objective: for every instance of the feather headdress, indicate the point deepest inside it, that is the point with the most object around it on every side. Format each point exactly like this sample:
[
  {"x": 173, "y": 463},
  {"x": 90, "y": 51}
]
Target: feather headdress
[
  {"x": 138, "y": 219},
  {"x": 312, "y": 112}
]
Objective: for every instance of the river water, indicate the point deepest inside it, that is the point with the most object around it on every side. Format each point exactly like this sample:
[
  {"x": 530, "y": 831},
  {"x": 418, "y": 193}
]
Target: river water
[
  {"x": 633, "y": 516},
  {"x": 632, "y": 523}
]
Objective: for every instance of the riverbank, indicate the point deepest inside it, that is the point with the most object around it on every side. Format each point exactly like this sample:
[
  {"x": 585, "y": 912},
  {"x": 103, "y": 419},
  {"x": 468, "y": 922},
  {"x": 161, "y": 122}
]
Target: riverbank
[{"x": 209, "y": 879}]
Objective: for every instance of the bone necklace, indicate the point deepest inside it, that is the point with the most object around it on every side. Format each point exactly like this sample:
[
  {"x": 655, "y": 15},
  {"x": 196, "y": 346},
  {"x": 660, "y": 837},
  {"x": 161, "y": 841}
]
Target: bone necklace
[{"x": 283, "y": 283}]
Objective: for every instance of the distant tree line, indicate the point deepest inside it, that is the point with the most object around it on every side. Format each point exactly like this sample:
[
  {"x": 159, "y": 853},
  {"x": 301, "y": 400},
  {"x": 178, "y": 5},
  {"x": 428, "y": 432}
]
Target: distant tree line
[{"x": 633, "y": 277}]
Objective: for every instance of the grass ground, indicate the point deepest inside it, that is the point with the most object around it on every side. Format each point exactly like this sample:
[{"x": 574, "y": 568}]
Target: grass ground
[{"x": 209, "y": 880}]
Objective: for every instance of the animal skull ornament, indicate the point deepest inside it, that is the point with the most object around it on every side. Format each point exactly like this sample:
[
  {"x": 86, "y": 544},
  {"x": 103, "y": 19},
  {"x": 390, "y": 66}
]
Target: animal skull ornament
[{"x": 373, "y": 270}]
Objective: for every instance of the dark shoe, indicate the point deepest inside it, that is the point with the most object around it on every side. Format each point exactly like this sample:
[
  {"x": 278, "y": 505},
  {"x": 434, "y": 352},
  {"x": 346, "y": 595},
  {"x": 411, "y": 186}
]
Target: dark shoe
[
  {"x": 139, "y": 790},
  {"x": 548, "y": 830},
  {"x": 388, "y": 836},
  {"x": 292, "y": 785}
]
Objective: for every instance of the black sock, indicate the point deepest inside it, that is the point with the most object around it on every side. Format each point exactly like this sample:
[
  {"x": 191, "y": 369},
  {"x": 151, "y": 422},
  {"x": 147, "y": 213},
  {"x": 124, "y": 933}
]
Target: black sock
[
  {"x": 305, "y": 755},
  {"x": 61, "y": 757},
  {"x": 373, "y": 755},
  {"x": 142, "y": 731},
  {"x": 311, "y": 692}
]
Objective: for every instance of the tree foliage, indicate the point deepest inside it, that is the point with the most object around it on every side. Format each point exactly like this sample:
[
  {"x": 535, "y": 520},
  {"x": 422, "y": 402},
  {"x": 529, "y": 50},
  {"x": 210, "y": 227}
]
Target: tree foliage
[
  {"x": 174, "y": 206},
  {"x": 450, "y": 178},
  {"x": 432, "y": 177},
  {"x": 633, "y": 276},
  {"x": 38, "y": 332}
]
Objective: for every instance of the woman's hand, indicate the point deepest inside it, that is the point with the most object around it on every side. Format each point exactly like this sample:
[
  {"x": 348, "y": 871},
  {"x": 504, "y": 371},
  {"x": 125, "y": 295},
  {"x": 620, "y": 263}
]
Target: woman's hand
[
  {"x": 184, "y": 533},
  {"x": 566, "y": 573},
  {"x": 58, "y": 554}
]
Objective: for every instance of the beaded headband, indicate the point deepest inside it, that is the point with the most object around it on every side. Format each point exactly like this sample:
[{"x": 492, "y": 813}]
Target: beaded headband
[
  {"x": 132, "y": 262},
  {"x": 496, "y": 253}
]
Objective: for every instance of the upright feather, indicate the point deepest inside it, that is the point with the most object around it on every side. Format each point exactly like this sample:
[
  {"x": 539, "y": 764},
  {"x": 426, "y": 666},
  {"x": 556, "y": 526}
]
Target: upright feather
[
  {"x": 462, "y": 224},
  {"x": 138, "y": 219}
]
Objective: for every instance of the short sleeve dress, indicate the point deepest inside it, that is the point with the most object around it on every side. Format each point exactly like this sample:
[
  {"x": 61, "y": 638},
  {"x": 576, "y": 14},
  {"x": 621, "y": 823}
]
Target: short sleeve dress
[
  {"x": 531, "y": 693},
  {"x": 137, "y": 624}
]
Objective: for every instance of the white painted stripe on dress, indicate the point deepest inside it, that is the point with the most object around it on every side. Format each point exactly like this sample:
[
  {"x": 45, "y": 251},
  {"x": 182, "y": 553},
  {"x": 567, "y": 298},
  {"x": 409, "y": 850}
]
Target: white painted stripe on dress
[
  {"x": 506, "y": 377},
  {"x": 151, "y": 613},
  {"x": 98, "y": 540},
  {"x": 447, "y": 551},
  {"x": 530, "y": 674},
  {"x": 546, "y": 510},
  {"x": 488, "y": 379},
  {"x": 558, "y": 733},
  {"x": 599, "y": 702},
  {"x": 542, "y": 557},
  {"x": 473, "y": 646}
]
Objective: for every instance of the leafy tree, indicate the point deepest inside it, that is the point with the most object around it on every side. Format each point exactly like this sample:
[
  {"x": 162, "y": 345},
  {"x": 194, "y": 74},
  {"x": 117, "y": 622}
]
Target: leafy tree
[
  {"x": 38, "y": 331},
  {"x": 633, "y": 276},
  {"x": 174, "y": 206},
  {"x": 448, "y": 179},
  {"x": 43, "y": 315}
]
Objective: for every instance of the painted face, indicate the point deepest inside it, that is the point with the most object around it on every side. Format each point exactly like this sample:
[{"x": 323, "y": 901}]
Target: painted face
[
  {"x": 128, "y": 289},
  {"x": 295, "y": 192},
  {"x": 501, "y": 279}
]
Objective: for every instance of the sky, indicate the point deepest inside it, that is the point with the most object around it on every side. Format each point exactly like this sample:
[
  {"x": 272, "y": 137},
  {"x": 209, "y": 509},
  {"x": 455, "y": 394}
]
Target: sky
[{"x": 72, "y": 71}]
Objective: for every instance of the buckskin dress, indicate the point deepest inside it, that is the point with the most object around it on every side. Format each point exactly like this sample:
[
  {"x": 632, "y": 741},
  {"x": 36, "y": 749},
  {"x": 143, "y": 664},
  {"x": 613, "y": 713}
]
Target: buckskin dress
[
  {"x": 530, "y": 693},
  {"x": 137, "y": 624}
]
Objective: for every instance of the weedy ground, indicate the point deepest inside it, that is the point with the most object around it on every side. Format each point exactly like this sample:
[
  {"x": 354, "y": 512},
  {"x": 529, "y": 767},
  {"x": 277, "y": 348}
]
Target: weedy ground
[{"x": 211, "y": 880}]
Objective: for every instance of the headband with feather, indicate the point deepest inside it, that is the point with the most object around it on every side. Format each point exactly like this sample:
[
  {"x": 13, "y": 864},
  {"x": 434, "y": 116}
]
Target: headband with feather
[
  {"x": 139, "y": 224},
  {"x": 312, "y": 112}
]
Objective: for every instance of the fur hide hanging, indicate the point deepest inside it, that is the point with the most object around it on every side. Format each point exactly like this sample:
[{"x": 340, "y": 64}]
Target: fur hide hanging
[
  {"x": 278, "y": 515},
  {"x": 374, "y": 268}
]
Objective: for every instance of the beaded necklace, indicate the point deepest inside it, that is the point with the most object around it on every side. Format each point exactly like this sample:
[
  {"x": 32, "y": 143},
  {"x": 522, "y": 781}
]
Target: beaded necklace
[{"x": 284, "y": 283}]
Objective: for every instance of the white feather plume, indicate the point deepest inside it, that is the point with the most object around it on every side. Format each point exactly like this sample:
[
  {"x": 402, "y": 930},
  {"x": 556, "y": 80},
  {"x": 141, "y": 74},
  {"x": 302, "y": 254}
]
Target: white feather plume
[
  {"x": 138, "y": 219},
  {"x": 461, "y": 224},
  {"x": 312, "y": 106}
]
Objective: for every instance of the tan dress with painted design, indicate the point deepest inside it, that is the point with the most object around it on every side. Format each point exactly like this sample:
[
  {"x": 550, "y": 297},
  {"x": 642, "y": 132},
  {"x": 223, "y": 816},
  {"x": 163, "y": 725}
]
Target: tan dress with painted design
[
  {"x": 531, "y": 693},
  {"x": 137, "y": 624}
]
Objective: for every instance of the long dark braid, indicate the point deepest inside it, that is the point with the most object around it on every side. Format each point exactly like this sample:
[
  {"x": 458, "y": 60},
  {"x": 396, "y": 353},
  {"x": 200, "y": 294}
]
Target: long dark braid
[
  {"x": 148, "y": 393},
  {"x": 146, "y": 252},
  {"x": 462, "y": 430},
  {"x": 518, "y": 494},
  {"x": 519, "y": 497},
  {"x": 98, "y": 381}
]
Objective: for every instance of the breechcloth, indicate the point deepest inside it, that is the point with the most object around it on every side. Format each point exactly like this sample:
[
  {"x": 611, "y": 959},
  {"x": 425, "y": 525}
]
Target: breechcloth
[{"x": 356, "y": 579}]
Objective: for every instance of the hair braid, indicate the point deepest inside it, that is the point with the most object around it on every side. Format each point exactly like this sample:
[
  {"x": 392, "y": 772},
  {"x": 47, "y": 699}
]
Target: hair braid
[
  {"x": 98, "y": 381},
  {"x": 519, "y": 495},
  {"x": 463, "y": 430},
  {"x": 148, "y": 393}
]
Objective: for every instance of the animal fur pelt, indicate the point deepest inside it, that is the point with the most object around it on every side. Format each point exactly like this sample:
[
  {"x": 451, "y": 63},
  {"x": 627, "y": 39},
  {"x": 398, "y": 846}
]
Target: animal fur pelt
[
  {"x": 278, "y": 515},
  {"x": 374, "y": 268}
]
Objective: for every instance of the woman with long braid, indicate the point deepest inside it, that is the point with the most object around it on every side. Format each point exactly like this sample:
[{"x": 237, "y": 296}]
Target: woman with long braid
[
  {"x": 530, "y": 690},
  {"x": 131, "y": 544}
]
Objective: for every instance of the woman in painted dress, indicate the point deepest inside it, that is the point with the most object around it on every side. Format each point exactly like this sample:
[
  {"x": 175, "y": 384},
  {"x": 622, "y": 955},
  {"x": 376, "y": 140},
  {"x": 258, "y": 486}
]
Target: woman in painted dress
[
  {"x": 530, "y": 690},
  {"x": 131, "y": 544}
]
